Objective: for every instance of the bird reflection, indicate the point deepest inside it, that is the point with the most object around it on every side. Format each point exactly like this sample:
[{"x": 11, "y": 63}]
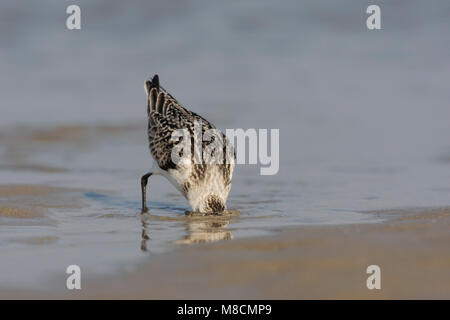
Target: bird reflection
[
  {"x": 207, "y": 229},
  {"x": 199, "y": 228},
  {"x": 144, "y": 235}
]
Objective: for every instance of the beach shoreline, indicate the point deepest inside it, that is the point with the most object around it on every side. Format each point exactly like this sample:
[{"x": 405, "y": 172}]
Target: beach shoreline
[
  {"x": 308, "y": 262},
  {"x": 62, "y": 210}
]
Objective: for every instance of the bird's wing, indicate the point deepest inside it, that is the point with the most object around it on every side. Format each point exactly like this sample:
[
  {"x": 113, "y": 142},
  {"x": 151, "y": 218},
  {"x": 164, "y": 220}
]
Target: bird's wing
[{"x": 166, "y": 115}]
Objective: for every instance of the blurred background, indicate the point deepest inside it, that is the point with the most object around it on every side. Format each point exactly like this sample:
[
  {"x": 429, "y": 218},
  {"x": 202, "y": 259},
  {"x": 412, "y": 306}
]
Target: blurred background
[
  {"x": 364, "y": 116},
  {"x": 346, "y": 99},
  {"x": 314, "y": 58}
]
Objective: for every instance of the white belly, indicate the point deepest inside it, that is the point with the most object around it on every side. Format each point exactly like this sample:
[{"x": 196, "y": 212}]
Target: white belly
[{"x": 197, "y": 191}]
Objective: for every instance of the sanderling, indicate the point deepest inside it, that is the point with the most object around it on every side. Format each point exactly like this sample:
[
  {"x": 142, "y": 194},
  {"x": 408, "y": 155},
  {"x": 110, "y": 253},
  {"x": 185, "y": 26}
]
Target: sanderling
[{"x": 205, "y": 185}]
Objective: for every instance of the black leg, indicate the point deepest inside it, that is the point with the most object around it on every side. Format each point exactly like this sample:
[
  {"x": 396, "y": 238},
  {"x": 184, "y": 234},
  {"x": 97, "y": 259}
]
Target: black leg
[{"x": 144, "y": 181}]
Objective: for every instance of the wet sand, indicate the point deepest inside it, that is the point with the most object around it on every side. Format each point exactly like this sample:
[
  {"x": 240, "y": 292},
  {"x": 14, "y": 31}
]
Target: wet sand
[
  {"x": 304, "y": 262},
  {"x": 31, "y": 201},
  {"x": 298, "y": 263}
]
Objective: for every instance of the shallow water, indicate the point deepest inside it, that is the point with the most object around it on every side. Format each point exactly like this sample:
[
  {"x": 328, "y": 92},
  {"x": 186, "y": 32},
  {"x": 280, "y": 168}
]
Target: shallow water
[{"x": 363, "y": 119}]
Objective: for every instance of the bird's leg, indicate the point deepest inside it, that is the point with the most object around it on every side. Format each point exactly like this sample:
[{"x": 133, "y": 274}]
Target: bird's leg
[{"x": 144, "y": 181}]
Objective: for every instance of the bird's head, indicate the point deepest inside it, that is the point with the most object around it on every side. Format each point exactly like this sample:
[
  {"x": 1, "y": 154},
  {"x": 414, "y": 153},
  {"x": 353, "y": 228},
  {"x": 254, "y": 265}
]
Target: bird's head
[{"x": 212, "y": 204}]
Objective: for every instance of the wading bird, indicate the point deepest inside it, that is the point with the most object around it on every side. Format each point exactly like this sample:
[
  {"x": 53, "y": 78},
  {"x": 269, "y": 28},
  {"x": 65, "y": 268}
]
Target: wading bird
[{"x": 204, "y": 184}]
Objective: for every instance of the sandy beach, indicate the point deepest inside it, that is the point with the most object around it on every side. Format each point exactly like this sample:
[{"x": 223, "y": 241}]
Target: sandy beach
[
  {"x": 327, "y": 262},
  {"x": 205, "y": 261},
  {"x": 302, "y": 263}
]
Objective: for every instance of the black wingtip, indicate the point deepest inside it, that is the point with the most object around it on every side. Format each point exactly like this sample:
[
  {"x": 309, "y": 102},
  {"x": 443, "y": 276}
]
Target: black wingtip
[{"x": 155, "y": 81}]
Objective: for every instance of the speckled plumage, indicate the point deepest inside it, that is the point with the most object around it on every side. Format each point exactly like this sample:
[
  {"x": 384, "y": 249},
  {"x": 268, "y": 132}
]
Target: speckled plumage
[{"x": 205, "y": 185}]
